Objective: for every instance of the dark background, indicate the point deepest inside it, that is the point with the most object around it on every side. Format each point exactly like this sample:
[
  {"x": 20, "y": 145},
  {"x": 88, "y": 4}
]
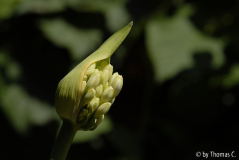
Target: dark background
[{"x": 193, "y": 108}]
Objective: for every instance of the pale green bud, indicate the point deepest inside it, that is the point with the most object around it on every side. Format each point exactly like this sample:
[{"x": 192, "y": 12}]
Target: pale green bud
[
  {"x": 78, "y": 87},
  {"x": 89, "y": 96},
  {"x": 99, "y": 90},
  {"x": 90, "y": 72},
  {"x": 117, "y": 84},
  {"x": 97, "y": 122},
  {"x": 91, "y": 67},
  {"x": 106, "y": 85},
  {"x": 90, "y": 124},
  {"x": 85, "y": 78},
  {"x": 113, "y": 77},
  {"x": 105, "y": 76},
  {"x": 94, "y": 103},
  {"x": 83, "y": 86},
  {"x": 103, "y": 109},
  {"x": 82, "y": 114},
  {"x": 94, "y": 80},
  {"x": 112, "y": 101},
  {"x": 109, "y": 67},
  {"x": 107, "y": 95},
  {"x": 83, "y": 120}
]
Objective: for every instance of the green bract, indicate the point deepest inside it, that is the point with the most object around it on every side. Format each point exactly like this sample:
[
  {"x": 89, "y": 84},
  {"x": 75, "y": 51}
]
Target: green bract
[{"x": 87, "y": 92}]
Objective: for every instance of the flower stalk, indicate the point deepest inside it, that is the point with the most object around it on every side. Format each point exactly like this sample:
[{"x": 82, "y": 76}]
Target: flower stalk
[{"x": 63, "y": 141}]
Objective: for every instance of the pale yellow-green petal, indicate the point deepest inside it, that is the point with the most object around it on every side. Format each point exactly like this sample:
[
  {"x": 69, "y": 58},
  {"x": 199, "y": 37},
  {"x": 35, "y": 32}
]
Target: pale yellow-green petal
[{"x": 68, "y": 94}]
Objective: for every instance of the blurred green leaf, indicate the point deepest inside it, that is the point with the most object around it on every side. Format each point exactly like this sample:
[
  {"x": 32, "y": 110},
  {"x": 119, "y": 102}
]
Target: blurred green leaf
[
  {"x": 232, "y": 79},
  {"x": 7, "y": 8},
  {"x": 3, "y": 59},
  {"x": 172, "y": 42},
  {"x": 78, "y": 41},
  {"x": 13, "y": 70},
  {"x": 114, "y": 11},
  {"x": 21, "y": 109},
  {"x": 116, "y": 16},
  {"x": 41, "y": 6},
  {"x": 24, "y": 110},
  {"x": 229, "y": 80},
  {"x": 105, "y": 127}
]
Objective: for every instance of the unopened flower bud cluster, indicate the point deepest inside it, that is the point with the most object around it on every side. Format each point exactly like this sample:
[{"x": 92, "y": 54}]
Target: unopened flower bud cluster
[{"x": 99, "y": 89}]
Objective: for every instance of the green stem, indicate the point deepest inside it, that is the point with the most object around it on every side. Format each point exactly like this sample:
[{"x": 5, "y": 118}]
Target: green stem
[{"x": 63, "y": 141}]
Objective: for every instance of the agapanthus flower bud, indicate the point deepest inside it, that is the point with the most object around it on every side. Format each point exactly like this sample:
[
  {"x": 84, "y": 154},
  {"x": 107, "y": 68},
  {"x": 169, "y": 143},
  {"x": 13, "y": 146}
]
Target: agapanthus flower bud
[
  {"x": 109, "y": 67},
  {"x": 107, "y": 95},
  {"x": 113, "y": 77},
  {"x": 89, "y": 85},
  {"x": 99, "y": 90},
  {"x": 94, "y": 80},
  {"x": 105, "y": 75},
  {"x": 106, "y": 85},
  {"x": 90, "y": 72},
  {"x": 85, "y": 94},
  {"x": 89, "y": 96},
  {"x": 84, "y": 112},
  {"x": 117, "y": 84},
  {"x": 94, "y": 103},
  {"x": 85, "y": 78},
  {"x": 112, "y": 101},
  {"x": 103, "y": 109},
  {"x": 83, "y": 86},
  {"x": 91, "y": 67},
  {"x": 98, "y": 121}
]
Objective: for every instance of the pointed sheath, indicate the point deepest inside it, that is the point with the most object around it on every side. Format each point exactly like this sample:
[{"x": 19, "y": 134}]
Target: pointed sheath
[{"x": 69, "y": 94}]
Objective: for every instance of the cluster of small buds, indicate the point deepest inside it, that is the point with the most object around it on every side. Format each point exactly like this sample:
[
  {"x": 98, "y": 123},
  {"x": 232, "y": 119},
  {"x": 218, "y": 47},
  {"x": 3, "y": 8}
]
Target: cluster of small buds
[{"x": 99, "y": 89}]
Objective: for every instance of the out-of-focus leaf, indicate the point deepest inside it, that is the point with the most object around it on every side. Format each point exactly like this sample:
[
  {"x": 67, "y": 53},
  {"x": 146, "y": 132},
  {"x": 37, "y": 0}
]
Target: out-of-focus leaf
[
  {"x": 105, "y": 127},
  {"x": 13, "y": 70},
  {"x": 227, "y": 81},
  {"x": 116, "y": 16},
  {"x": 232, "y": 79},
  {"x": 21, "y": 109},
  {"x": 78, "y": 41},
  {"x": 3, "y": 58},
  {"x": 171, "y": 43},
  {"x": 24, "y": 110},
  {"x": 114, "y": 11},
  {"x": 7, "y": 8},
  {"x": 41, "y": 6}
]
